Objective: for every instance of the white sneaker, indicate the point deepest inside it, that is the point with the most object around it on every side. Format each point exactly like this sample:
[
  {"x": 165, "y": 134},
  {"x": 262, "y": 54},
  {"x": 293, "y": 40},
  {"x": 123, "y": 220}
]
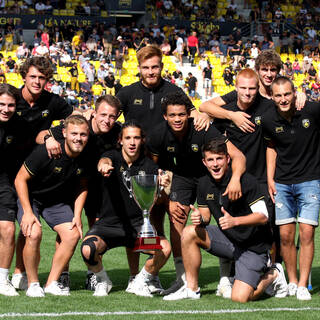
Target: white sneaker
[
  {"x": 292, "y": 289},
  {"x": 35, "y": 291},
  {"x": 7, "y": 289},
  {"x": 224, "y": 288},
  {"x": 280, "y": 285},
  {"x": 64, "y": 280},
  {"x": 154, "y": 285},
  {"x": 303, "y": 294},
  {"x": 129, "y": 287},
  {"x": 55, "y": 288},
  {"x": 175, "y": 286},
  {"x": 20, "y": 281},
  {"x": 102, "y": 288},
  {"x": 183, "y": 293},
  {"x": 140, "y": 288}
]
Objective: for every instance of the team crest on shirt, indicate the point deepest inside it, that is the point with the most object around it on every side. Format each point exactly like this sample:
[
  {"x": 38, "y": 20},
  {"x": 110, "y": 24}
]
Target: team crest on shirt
[
  {"x": 210, "y": 196},
  {"x": 57, "y": 169},
  {"x": 194, "y": 147},
  {"x": 279, "y": 129},
  {"x": 79, "y": 171},
  {"x": 257, "y": 121},
  {"x": 306, "y": 123},
  {"x": 231, "y": 125},
  {"x": 45, "y": 113},
  {"x": 170, "y": 149},
  {"x": 173, "y": 196},
  {"x": 9, "y": 139},
  {"x": 138, "y": 101},
  {"x": 141, "y": 173},
  {"x": 121, "y": 169},
  {"x": 19, "y": 113}
]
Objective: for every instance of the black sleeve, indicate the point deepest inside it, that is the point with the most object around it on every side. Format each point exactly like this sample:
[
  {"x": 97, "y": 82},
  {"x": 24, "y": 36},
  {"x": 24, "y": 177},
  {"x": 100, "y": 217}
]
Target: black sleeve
[
  {"x": 56, "y": 132},
  {"x": 122, "y": 95},
  {"x": 230, "y": 97},
  {"x": 37, "y": 160},
  {"x": 212, "y": 133},
  {"x": 61, "y": 108},
  {"x": 201, "y": 192},
  {"x": 220, "y": 124},
  {"x": 251, "y": 190},
  {"x": 111, "y": 154},
  {"x": 153, "y": 143}
]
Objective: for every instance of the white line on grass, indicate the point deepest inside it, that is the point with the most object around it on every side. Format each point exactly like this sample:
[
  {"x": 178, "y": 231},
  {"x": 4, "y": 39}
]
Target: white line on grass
[{"x": 163, "y": 312}]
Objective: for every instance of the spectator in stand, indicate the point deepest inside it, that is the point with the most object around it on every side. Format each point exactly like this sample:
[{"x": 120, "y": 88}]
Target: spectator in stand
[
  {"x": 117, "y": 86},
  {"x": 287, "y": 64},
  {"x": 90, "y": 73},
  {"x": 192, "y": 84},
  {"x": 92, "y": 47},
  {"x": 42, "y": 50},
  {"x": 312, "y": 73},
  {"x": 254, "y": 51},
  {"x": 8, "y": 37},
  {"x": 11, "y": 65},
  {"x": 118, "y": 63},
  {"x": 45, "y": 37},
  {"x": 207, "y": 80},
  {"x": 71, "y": 97},
  {"x": 284, "y": 42},
  {"x": 307, "y": 62},
  {"x": 203, "y": 62},
  {"x": 22, "y": 51},
  {"x": 224, "y": 51},
  {"x": 178, "y": 52},
  {"x": 228, "y": 77},
  {"x": 165, "y": 47},
  {"x": 123, "y": 48},
  {"x": 56, "y": 88},
  {"x": 192, "y": 46},
  {"x": 85, "y": 103},
  {"x": 109, "y": 83},
  {"x": 74, "y": 78},
  {"x": 180, "y": 82},
  {"x": 296, "y": 66},
  {"x": 107, "y": 40},
  {"x": 65, "y": 59},
  {"x": 101, "y": 74},
  {"x": 40, "y": 7}
]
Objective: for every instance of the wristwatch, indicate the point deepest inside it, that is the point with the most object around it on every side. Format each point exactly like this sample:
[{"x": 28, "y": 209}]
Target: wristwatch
[{"x": 46, "y": 137}]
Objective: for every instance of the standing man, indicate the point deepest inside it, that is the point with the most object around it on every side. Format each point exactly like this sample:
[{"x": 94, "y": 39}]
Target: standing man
[
  {"x": 142, "y": 100},
  {"x": 207, "y": 80},
  {"x": 192, "y": 84},
  {"x": 56, "y": 190},
  {"x": 179, "y": 48},
  {"x": 176, "y": 146},
  {"x": 192, "y": 46},
  {"x": 121, "y": 218},
  {"x": 293, "y": 170},
  {"x": 241, "y": 233},
  {"x": 9, "y": 95}
]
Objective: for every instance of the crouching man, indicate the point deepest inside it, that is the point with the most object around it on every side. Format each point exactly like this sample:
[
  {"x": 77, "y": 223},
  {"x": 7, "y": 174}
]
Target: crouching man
[
  {"x": 121, "y": 218},
  {"x": 56, "y": 190},
  {"x": 242, "y": 234}
]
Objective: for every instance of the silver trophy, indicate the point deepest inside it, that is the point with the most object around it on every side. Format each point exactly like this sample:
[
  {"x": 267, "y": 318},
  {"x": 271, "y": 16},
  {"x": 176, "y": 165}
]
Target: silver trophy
[{"x": 145, "y": 190}]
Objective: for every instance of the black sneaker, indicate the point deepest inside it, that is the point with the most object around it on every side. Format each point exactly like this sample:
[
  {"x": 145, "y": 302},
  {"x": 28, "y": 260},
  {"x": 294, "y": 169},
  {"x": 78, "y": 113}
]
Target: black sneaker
[{"x": 91, "y": 282}]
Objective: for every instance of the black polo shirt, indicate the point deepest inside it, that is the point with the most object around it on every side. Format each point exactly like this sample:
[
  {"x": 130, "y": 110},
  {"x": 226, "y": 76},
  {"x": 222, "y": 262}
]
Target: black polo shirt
[
  {"x": 144, "y": 104},
  {"x": 32, "y": 120},
  {"x": 230, "y": 97},
  {"x": 54, "y": 180},
  {"x": 184, "y": 157},
  {"x": 252, "y": 145},
  {"x": 117, "y": 204},
  {"x": 209, "y": 194},
  {"x": 296, "y": 143}
]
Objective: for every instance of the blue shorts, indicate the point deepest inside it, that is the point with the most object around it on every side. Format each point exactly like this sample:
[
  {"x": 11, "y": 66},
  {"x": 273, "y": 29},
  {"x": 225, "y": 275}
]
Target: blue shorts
[
  {"x": 298, "y": 203},
  {"x": 192, "y": 93}
]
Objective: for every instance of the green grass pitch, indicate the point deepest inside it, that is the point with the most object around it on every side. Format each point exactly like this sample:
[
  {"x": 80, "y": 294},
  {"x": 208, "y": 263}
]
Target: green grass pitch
[{"x": 118, "y": 301}]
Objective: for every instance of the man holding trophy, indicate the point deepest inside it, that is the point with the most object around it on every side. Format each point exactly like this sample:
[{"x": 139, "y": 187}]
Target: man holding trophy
[{"x": 121, "y": 212}]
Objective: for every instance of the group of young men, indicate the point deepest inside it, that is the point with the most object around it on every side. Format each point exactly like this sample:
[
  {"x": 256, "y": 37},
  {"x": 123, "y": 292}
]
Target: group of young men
[{"x": 255, "y": 153}]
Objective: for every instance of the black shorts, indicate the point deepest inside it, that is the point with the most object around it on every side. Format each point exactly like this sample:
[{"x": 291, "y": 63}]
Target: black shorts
[
  {"x": 184, "y": 190},
  {"x": 8, "y": 200},
  {"x": 249, "y": 265},
  {"x": 115, "y": 235},
  {"x": 93, "y": 201},
  {"x": 53, "y": 215}
]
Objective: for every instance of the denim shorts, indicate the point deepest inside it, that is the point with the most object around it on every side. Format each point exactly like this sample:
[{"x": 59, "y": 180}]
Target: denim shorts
[{"x": 298, "y": 203}]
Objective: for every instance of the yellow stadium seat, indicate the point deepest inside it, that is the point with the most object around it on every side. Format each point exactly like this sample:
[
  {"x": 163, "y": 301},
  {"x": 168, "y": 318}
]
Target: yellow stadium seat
[
  {"x": 104, "y": 13},
  {"x": 70, "y": 12},
  {"x": 55, "y": 12},
  {"x": 63, "y": 12},
  {"x": 68, "y": 5}
]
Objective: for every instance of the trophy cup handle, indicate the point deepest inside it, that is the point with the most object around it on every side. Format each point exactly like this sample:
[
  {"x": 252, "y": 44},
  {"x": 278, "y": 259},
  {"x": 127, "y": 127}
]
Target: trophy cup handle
[{"x": 127, "y": 182}]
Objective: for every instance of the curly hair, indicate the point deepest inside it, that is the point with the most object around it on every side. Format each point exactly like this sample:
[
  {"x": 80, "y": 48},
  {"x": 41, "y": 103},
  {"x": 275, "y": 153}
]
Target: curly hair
[
  {"x": 41, "y": 63},
  {"x": 268, "y": 58},
  {"x": 176, "y": 98}
]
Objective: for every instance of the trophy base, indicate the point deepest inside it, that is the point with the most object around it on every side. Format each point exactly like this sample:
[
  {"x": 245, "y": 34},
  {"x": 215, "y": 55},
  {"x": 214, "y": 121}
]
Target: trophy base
[{"x": 147, "y": 244}]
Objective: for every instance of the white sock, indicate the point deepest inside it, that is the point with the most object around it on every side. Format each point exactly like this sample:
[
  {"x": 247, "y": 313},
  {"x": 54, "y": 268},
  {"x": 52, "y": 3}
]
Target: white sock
[
  {"x": 101, "y": 275},
  {"x": 144, "y": 274},
  {"x": 225, "y": 267},
  {"x": 178, "y": 263},
  {"x": 4, "y": 274}
]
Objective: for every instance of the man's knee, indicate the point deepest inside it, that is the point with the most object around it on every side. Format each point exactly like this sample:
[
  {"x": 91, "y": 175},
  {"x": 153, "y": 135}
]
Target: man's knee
[
  {"x": 7, "y": 232},
  {"x": 89, "y": 251},
  {"x": 35, "y": 237},
  {"x": 166, "y": 247},
  {"x": 189, "y": 234}
]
